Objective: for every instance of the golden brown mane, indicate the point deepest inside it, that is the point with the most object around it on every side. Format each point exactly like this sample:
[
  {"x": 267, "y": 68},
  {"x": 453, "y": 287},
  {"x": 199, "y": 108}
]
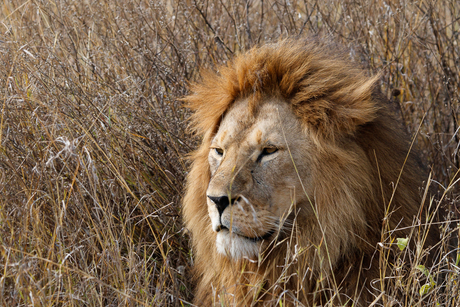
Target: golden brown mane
[
  {"x": 339, "y": 92},
  {"x": 360, "y": 192}
]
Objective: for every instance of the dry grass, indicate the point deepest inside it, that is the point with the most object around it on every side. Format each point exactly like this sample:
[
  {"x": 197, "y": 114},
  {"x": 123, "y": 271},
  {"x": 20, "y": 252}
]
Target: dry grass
[{"x": 93, "y": 137}]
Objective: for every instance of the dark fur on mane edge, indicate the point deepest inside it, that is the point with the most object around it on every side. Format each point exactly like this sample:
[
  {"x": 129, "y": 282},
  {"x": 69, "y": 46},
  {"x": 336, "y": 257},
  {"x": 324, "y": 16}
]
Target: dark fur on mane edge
[{"x": 361, "y": 149}]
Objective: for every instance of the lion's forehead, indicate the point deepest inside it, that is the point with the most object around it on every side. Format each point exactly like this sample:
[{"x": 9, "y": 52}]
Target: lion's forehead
[{"x": 241, "y": 127}]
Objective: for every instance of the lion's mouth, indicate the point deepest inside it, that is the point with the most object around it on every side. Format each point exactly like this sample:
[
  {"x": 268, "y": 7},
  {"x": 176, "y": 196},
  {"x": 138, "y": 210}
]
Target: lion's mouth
[{"x": 266, "y": 236}]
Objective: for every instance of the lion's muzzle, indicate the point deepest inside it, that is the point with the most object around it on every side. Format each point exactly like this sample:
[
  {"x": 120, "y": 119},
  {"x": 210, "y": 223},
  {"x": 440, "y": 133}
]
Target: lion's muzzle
[
  {"x": 232, "y": 215},
  {"x": 221, "y": 202}
]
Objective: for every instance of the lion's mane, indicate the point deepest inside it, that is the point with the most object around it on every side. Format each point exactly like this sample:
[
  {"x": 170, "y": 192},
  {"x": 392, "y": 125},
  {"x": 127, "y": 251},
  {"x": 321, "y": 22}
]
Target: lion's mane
[{"x": 361, "y": 150}]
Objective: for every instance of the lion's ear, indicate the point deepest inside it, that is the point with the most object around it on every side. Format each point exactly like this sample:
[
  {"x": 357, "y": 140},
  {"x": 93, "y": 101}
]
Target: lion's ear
[
  {"x": 356, "y": 106},
  {"x": 338, "y": 111}
]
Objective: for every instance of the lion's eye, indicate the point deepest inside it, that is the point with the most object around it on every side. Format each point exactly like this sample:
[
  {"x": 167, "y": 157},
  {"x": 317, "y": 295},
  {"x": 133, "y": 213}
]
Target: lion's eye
[
  {"x": 268, "y": 151},
  {"x": 219, "y": 151}
]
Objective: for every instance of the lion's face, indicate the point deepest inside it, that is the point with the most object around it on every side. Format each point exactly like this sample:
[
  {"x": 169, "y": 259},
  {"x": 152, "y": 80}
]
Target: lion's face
[{"x": 257, "y": 163}]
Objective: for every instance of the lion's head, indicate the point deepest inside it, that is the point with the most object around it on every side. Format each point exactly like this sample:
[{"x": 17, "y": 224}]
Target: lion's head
[
  {"x": 254, "y": 182},
  {"x": 299, "y": 160}
]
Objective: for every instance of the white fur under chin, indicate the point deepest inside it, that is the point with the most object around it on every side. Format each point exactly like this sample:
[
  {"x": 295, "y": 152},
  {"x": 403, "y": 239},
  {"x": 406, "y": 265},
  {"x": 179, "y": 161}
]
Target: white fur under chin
[{"x": 235, "y": 246}]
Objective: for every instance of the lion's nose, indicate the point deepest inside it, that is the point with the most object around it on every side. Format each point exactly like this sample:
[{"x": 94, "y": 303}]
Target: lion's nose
[{"x": 221, "y": 202}]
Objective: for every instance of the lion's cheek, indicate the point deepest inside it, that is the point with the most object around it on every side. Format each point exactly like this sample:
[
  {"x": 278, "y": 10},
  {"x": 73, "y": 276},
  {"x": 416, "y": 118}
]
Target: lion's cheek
[
  {"x": 291, "y": 192},
  {"x": 250, "y": 222}
]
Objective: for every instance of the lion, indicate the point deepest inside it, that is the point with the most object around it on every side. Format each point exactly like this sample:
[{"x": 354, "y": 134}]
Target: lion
[{"x": 302, "y": 173}]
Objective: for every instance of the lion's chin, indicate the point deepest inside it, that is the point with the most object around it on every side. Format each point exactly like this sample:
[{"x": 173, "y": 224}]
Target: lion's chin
[{"x": 236, "y": 247}]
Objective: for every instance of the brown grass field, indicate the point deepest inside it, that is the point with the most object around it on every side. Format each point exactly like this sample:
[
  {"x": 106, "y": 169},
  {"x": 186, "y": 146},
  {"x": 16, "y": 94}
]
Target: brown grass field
[{"x": 94, "y": 138}]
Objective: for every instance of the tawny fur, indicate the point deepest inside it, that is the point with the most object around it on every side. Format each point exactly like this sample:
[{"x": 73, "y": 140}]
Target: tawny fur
[{"x": 360, "y": 148}]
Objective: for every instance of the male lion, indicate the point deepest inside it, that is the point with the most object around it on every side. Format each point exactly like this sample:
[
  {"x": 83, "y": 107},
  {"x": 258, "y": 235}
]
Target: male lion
[{"x": 298, "y": 180}]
